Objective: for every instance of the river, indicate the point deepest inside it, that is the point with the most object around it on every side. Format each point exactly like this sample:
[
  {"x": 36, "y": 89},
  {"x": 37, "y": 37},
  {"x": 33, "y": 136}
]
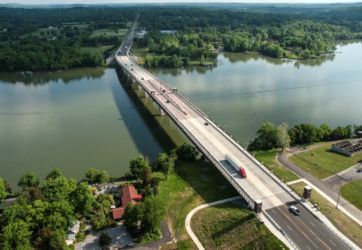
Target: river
[{"x": 84, "y": 118}]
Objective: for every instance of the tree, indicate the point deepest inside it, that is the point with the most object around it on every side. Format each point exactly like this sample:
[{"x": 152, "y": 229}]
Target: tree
[
  {"x": 153, "y": 211},
  {"x": 96, "y": 176},
  {"x": 267, "y": 137},
  {"x": 58, "y": 189},
  {"x": 164, "y": 163},
  {"x": 29, "y": 180},
  {"x": 186, "y": 152},
  {"x": 138, "y": 166},
  {"x": 3, "y": 192},
  {"x": 55, "y": 173},
  {"x": 50, "y": 239},
  {"x": 283, "y": 139},
  {"x": 82, "y": 199},
  {"x": 133, "y": 214},
  {"x": 104, "y": 240},
  {"x": 16, "y": 235}
]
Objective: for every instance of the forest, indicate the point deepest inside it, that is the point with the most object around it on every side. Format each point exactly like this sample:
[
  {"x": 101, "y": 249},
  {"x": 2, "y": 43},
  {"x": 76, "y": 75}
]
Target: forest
[{"x": 59, "y": 38}]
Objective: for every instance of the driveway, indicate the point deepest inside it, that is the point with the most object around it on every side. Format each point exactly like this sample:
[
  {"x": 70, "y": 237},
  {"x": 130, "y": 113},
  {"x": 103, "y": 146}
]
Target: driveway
[{"x": 119, "y": 234}]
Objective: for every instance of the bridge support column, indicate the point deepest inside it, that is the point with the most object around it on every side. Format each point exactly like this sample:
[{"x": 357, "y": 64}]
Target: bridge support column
[
  {"x": 162, "y": 112},
  {"x": 146, "y": 94}
]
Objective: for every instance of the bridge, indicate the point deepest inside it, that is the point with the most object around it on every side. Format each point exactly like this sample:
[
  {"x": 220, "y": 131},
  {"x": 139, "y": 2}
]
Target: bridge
[{"x": 306, "y": 231}]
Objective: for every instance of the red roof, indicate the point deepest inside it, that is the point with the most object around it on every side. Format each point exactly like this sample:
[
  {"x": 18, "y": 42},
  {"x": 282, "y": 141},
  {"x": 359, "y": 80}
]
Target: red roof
[
  {"x": 129, "y": 195},
  {"x": 117, "y": 213}
]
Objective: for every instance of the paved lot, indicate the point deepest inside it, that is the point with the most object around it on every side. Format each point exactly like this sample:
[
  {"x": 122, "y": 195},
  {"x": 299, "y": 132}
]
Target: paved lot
[
  {"x": 119, "y": 234},
  {"x": 350, "y": 174}
]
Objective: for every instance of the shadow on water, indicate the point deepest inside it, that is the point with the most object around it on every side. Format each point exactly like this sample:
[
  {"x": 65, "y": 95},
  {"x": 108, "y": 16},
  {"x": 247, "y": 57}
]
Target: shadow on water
[
  {"x": 148, "y": 135},
  {"x": 43, "y": 78}
]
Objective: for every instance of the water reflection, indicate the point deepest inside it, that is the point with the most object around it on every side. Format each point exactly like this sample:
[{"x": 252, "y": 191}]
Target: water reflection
[
  {"x": 245, "y": 57},
  {"x": 42, "y": 78}
]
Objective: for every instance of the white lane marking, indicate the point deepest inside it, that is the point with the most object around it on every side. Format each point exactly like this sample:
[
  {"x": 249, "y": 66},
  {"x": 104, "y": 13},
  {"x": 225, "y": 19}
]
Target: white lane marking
[
  {"x": 291, "y": 229},
  {"x": 308, "y": 247}
]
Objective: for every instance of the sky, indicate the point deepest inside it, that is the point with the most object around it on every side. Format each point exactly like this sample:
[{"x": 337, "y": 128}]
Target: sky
[{"x": 169, "y": 1}]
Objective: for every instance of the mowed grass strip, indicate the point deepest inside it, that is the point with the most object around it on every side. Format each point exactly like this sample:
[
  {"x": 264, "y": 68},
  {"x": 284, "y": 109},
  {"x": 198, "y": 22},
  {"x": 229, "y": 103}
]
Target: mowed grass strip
[
  {"x": 352, "y": 192},
  {"x": 347, "y": 226},
  {"x": 230, "y": 226},
  {"x": 322, "y": 163},
  {"x": 268, "y": 159}
]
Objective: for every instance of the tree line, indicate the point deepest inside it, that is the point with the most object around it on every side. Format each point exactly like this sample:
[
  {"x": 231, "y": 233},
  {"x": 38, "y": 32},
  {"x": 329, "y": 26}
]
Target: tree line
[
  {"x": 270, "y": 136},
  {"x": 44, "y": 210}
]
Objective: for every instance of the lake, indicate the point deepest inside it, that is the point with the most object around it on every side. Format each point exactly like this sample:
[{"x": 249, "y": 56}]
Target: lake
[{"x": 83, "y": 118}]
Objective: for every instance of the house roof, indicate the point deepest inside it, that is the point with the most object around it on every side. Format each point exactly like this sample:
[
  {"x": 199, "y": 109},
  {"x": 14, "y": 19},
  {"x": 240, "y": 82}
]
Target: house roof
[
  {"x": 129, "y": 195},
  {"x": 117, "y": 213}
]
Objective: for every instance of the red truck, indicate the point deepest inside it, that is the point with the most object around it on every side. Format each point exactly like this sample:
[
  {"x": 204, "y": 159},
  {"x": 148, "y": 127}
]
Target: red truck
[{"x": 236, "y": 165}]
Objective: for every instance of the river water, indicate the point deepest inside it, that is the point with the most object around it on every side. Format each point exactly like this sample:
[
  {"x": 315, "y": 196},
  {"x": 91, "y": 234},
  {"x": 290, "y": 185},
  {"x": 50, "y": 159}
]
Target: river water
[{"x": 85, "y": 118}]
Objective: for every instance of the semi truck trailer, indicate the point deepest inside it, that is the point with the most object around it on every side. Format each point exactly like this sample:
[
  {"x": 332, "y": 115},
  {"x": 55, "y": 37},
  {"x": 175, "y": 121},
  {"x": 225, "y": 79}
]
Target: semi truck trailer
[{"x": 236, "y": 165}]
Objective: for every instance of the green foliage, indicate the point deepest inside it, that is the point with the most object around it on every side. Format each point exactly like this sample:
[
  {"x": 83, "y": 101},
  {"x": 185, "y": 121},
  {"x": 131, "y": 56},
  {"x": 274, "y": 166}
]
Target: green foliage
[
  {"x": 270, "y": 136},
  {"x": 186, "y": 152},
  {"x": 164, "y": 163},
  {"x": 132, "y": 216},
  {"x": 100, "y": 215},
  {"x": 58, "y": 189},
  {"x": 266, "y": 137},
  {"x": 138, "y": 167},
  {"x": 82, "y": 199},
  {"x": 104, "y": 240},
  {"x": 16, "y": 236},
  {"x": 153, "y": 211},
  {"x": 55, "y": 173},
  {"x": 96, "y": 176},
  {"x": 29, "y": 180},
  {"x": 3, "y": 192}
]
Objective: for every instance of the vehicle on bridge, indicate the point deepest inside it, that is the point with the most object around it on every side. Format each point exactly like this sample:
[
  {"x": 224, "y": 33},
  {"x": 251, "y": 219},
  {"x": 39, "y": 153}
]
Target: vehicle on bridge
[
  {"x": 237, "y": 166},
  {"x": 294, "y": 210}
]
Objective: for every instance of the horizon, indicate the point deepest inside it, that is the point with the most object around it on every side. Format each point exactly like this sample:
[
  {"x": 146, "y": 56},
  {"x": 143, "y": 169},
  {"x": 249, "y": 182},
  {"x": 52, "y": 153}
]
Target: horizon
[{"x": 106, "y": 2}]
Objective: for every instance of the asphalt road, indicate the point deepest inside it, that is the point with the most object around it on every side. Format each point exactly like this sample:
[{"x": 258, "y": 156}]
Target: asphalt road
[{"x": 305, "y": 230}]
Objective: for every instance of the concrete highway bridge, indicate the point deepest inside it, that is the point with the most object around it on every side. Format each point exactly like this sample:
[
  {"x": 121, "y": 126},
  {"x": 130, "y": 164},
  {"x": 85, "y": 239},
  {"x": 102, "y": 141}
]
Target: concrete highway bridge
[{"x": 306, "y": 231}]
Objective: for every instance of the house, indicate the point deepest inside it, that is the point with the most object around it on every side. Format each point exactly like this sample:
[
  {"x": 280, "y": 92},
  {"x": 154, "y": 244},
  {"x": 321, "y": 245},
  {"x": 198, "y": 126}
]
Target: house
[
  {"x": 129, "y": 194},
  {"x": 72, "y": 232}
]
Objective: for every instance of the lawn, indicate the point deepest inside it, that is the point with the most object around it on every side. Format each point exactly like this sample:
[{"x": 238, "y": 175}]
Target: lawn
[
  {"x": 352, "y": 192},
  {"x": 192, "y": 184},
  {"x": 268, "y": 159},
  {"x": 322, "y": 163},
  {"x": 109, "y": 32},
  {"x": 229, "y": 226},
  {"x": 347, "y": 226}
]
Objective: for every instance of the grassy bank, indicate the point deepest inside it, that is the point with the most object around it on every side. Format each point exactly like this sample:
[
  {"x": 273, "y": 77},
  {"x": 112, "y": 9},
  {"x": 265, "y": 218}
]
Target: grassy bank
[
  {"x": 268, "y": 159},
  {"x": 192, "y": 184},
  {"x": 352, "y": 192},
  {"x": 322, "y": 163},
  {"x": 347, "y": 226},
  {"x": 228, "y": 226}
]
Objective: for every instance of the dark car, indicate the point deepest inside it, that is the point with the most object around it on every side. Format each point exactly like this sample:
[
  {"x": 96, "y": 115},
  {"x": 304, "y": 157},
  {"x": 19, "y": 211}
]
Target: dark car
[{"x": 294, "y": 210}]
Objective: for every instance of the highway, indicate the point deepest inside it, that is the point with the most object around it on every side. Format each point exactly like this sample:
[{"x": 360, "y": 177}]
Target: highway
[{"x": 305, "y": 230}]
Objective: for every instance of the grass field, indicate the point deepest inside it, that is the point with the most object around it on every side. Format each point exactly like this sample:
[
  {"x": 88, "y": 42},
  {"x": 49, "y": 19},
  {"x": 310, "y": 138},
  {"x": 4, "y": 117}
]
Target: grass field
[
  {"x": 229, "y": 226},
  {"x": 268, "y": 159},
  {"x": 192, "y": 184},
  {"x": 109, "y": 32},
  {"x": 322, "y": 163},
  {"x": 347, "y": 226},
  {"x": 352, "y": 192}
]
